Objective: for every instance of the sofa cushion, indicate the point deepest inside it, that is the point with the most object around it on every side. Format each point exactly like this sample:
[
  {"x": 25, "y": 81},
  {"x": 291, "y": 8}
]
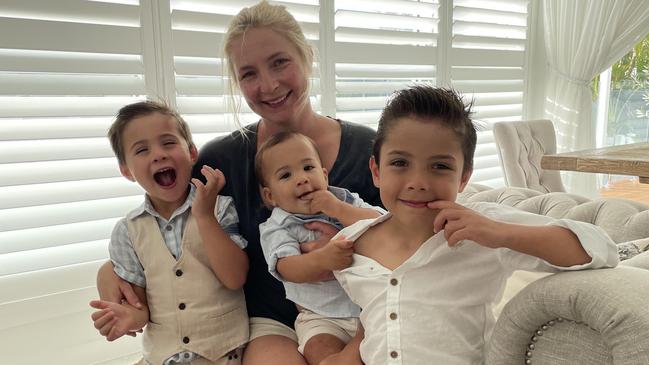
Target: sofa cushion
[{"x": 624, "y": 220}]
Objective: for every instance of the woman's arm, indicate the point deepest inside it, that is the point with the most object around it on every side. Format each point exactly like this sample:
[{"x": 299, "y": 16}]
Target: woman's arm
[
  {"x": 113, "y": 288},
  {"x": 114, "y": 320}
]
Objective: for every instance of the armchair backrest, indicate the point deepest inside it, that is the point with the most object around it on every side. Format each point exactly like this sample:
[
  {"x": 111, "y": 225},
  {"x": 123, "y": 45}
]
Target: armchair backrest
[{"x": 521, "y": 145}]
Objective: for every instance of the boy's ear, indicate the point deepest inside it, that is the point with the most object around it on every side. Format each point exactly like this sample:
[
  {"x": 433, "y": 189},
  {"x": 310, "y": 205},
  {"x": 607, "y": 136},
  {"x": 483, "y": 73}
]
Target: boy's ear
[
  {"x": 193, "y": 152},
  {"x": 267, "y": 197},
  {"x": 466, "y": 175},
  {"x": 123, "y": 169},
  {"x": 374, "y": 168}
]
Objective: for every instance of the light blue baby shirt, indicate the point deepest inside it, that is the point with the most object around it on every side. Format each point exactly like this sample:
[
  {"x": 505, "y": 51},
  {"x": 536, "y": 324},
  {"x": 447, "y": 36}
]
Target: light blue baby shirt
[{"x": 281, "y": 235}]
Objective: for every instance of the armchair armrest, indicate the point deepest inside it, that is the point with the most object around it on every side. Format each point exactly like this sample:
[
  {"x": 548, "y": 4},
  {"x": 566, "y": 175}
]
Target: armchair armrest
[{"x": 585, "y": 317}]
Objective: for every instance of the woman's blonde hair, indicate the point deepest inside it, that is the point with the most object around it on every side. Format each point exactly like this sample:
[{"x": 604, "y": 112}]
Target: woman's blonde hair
[{"x": 276, "y": 18}]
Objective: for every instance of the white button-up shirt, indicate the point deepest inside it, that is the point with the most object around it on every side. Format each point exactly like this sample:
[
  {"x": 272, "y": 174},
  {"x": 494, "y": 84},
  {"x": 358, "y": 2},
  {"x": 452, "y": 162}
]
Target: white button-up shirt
[{"x": 436, "y": 307}]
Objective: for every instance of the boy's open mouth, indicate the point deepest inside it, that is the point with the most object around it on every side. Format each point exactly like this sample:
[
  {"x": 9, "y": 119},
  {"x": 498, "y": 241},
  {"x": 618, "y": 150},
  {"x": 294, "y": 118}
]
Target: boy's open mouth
[{"x": 165, "y": 177}]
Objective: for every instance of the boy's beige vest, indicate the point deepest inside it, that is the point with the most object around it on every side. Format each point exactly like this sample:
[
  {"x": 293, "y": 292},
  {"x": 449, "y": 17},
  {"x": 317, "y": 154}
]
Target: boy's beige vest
[{"x": 190, "y": 310}]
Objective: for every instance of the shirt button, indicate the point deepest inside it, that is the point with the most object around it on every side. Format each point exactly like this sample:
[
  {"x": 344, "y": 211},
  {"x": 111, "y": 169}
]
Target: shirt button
[
  {"x": 394, "y": 354},
  {"x": 179, "y": 272},
  {"x": 393, "y": 316},
  {"x": 185, "y": 339},
  {"x": 169, "y": 228},
  {"x": 394, "y": 282},
  {"x": 186, "y": 355},
  {"x": 181, "y": 306}
]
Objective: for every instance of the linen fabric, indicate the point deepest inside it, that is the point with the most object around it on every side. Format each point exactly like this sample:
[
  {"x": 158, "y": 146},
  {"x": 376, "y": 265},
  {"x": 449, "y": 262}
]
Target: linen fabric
[{"x": 437, "y": 306}]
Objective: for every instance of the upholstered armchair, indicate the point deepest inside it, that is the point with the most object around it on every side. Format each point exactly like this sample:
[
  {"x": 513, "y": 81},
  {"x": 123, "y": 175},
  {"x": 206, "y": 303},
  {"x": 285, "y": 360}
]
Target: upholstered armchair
[
  {"x": 593, "y": 317},
  {"x": 521, "y": 145}
]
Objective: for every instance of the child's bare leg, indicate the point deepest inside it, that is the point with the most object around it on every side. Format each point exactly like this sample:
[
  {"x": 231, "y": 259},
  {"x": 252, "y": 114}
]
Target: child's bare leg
[
  {"x": 350, "y": 354},
  {"x": 321, "y": 346}
]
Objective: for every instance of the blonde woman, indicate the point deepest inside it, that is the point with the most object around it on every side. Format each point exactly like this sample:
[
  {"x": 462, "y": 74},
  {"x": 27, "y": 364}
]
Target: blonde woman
[{"x": 270, "y": 62}]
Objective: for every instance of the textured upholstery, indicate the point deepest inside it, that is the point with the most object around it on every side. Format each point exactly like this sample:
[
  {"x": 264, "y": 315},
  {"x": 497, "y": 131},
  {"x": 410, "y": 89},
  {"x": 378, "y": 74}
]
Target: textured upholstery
[
  {"x": 591, "y": 317},
  {"x": 520, "y": 147},
  {"x": 624, "y": 220}
]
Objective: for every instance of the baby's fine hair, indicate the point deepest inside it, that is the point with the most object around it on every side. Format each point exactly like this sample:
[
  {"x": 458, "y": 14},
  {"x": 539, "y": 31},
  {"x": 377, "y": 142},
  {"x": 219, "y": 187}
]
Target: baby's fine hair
[
  {"x": 272, "y": 142},
  {"x": 140, "y": 109},
  {"x": 437, "y": 105}
]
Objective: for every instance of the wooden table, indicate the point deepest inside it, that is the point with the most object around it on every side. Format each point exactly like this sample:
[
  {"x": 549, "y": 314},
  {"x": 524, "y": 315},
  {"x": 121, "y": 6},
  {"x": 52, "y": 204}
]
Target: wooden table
[{"x": 629, "y": 159}]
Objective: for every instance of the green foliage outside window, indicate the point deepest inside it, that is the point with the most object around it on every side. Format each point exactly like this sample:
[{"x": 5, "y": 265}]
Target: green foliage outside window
[{"x": 628, "y": 111}]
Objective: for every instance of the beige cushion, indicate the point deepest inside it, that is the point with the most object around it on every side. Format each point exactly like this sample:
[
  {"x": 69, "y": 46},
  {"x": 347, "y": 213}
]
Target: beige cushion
[
  {"x": 605, "y": 320},
  {"x": 624, "y": 220}
]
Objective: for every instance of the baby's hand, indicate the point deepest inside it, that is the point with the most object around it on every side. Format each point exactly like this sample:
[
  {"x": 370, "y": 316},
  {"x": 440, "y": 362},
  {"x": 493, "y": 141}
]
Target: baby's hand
[
  {"x": 323, "y": 201},
  {"x": 206, "y": 193},
  {"x": 337, "y": 254},
  {"x": 461, "y": 223}
]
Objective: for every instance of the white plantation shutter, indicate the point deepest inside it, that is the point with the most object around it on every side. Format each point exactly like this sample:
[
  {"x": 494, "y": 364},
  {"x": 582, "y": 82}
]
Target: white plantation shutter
[
  {"x": 380, "y": 47},
  {"x": 487, "y": 59},
  {"x": 65, "y": 68},
  {"x": 202, "y": 92}
]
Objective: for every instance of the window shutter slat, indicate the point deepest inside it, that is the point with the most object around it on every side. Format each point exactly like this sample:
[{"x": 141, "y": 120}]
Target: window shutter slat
[
  {"x": 70, "y": 37},
  {"x": 69, "y": 62},
  {"x": 61, "y": 106},
  {"x": 79, "y": 84},
  {"x": 59, "y": 235},
  {"x": 61, "y": 192},
  {"x": 381, "y": 47},
  {"x": 63, "y": 213}
]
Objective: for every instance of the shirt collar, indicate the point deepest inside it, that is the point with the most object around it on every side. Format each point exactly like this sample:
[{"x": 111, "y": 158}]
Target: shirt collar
[
  {"x": 147, "y": 206},
  {"x": 280, "y": 216}
]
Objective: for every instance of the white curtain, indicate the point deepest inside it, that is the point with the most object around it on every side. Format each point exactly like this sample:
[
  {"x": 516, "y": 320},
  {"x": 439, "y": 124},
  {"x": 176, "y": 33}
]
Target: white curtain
[{"x": 582, "y": 39}]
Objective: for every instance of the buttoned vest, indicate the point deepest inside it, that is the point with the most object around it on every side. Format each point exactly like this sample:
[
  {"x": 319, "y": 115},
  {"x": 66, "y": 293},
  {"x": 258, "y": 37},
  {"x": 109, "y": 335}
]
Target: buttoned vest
[{"x": 189, "y": 308}]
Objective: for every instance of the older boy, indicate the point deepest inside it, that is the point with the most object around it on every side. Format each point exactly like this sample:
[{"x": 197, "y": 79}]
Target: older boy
[{"x": 428, "y": 273}]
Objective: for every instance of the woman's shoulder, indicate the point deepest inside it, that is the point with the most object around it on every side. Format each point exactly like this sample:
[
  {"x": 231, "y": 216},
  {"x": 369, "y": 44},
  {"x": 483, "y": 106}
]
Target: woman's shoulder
[{"x": 356, "y": 130}]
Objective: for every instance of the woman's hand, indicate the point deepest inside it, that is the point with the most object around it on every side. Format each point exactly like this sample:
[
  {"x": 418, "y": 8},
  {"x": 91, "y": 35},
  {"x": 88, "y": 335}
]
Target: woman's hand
[
  {"x": 114, "y": 289},
  {"x": 114, "y": 320}
]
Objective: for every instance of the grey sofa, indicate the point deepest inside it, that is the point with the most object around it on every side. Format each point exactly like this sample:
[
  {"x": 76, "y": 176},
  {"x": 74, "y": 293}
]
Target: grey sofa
[{"x": 588, "y": 317}]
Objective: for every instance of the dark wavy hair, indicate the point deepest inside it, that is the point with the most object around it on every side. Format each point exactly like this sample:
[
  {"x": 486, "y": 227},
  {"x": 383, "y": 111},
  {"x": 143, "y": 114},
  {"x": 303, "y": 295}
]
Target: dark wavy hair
[{"x": 439, "y": 105}]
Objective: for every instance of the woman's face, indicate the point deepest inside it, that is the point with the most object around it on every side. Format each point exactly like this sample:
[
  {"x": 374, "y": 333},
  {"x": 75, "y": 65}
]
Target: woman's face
[{"x": 270, "y": 74}]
